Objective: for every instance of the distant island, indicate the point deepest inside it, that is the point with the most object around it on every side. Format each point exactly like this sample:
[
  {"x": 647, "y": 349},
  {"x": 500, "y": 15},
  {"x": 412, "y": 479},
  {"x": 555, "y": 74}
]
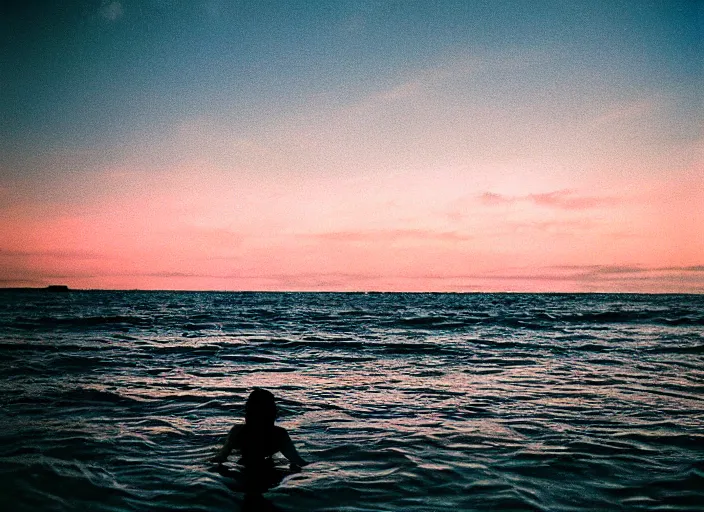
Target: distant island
[
  {"x": 57, "y": 288},
  {"x": 61, "y": 288}
]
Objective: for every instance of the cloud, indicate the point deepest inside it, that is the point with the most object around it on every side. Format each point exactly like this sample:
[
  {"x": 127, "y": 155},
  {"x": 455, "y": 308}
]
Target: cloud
[
  {"x": 416, "y": 86},
  {"x": 390, "y": 235},
  {"x": 570, "y": 227},
  {"x": 18, "y": 282},
  {"x": 569, "y": 200},
  {"x": 565, "y": 278},
  {"x": 57, "y": 254},
  {"x": 576, "y": 278},
  {"x": 624, "y": 273},
  {"x": 693, "y": 268},
  {"x": 402, "y": 91},
  {"x": 626, "y": 111},
  {"x": 166, "y": 274},
  {"x": 560, "y": 199},
  {"x": 110, "y": 11},
  {"x": 321, "y": 280},
  {"x": 607, "y": 278},
  {"x": 491, "y": 198}
]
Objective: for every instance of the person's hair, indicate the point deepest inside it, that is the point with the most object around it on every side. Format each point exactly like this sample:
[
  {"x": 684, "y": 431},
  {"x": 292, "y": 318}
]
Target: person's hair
[{"x": 260, "y": 408}]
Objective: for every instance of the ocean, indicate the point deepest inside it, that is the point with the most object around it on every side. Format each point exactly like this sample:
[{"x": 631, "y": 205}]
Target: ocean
[{"x": 115, "y": 401}]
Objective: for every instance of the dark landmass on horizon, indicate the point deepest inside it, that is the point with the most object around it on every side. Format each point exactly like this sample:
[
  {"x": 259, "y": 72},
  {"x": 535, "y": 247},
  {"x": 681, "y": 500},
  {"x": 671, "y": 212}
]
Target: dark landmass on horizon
[{"x": 61, "y": 288}]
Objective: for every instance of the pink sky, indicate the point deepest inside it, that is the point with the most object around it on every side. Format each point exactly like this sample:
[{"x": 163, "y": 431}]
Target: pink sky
[{"x": 501, "y": 229}]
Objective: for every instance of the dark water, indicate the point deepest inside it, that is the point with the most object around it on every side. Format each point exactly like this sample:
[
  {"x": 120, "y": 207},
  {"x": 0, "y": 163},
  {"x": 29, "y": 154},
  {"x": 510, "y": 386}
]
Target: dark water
[{"x": 114, "y": 401}]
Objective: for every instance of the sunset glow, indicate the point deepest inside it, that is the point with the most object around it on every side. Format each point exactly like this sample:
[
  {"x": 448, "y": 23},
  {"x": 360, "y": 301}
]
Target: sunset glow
[{"x": 360, "y": 146}]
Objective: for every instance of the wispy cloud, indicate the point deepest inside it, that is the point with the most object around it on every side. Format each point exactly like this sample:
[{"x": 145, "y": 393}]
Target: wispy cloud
[
  {"x": 382, "y": 235},
  {"x": 168, "y": 274},
  {"x": 570, "y": 200},
  {"x": 16, "y": 282},
  {"x": 57, "y": 254},
  {"x": 625, "y": 112},
  {"x": 567, "y": 272},
  {"x": 568, "y": 278},
  {"x": 422, "y": 82},
  {"x": 491, "y": 198},
  {"x": 561, "y": 199},
  {"x": 322, "y": 280},
  {"x": 626, "y": 273},
  {"x": 402, "y": 91},
  {"x": 692, "y": 268},
  {"x": 570, "y": 226},
  {"x": 576, "y": 278}
]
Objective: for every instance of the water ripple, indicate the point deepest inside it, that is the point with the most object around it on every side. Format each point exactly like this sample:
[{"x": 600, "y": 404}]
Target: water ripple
[{"x": 115, "y": 401}]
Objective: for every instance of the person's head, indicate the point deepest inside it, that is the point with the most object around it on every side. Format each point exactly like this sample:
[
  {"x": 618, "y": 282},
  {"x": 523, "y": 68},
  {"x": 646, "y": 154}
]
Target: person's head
[{"x": 260, "y": 408}]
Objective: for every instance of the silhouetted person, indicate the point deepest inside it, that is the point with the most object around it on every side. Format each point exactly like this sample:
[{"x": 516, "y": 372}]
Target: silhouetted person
[{"x": 258, "y": 438}]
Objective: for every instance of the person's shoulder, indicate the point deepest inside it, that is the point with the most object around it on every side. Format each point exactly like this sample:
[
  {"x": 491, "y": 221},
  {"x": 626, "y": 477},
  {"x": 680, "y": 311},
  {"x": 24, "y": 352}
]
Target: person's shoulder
[
  {"x": 237, "y": 429},
  {"x": 235, "y": 437},
  {"x": 280, "y": 432}
]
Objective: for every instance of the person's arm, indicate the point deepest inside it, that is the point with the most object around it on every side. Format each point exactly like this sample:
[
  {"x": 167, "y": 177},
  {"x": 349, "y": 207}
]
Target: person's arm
[
  {"x": 228, "y": 446},
  {"x": 289, "y": 451}
]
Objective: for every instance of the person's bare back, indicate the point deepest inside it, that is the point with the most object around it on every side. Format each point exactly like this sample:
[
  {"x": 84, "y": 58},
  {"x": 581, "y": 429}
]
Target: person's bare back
[{"x": 258, "y": 438}]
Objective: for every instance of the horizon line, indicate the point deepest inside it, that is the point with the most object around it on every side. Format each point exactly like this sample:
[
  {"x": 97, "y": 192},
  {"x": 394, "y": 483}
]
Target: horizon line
[{"x": 415, "y": 292}]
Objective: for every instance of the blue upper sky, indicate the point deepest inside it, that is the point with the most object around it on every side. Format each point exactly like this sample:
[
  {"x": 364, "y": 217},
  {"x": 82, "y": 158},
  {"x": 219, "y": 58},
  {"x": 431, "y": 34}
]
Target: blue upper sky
[{"x": 85, "y": 72}]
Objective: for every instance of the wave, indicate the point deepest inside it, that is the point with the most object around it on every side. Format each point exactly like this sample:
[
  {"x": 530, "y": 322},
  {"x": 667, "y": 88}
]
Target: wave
[
  {"x": 79, "y": 322},
  {"x": 202, "y": 324},
  {"x": 542, "y": 321}
]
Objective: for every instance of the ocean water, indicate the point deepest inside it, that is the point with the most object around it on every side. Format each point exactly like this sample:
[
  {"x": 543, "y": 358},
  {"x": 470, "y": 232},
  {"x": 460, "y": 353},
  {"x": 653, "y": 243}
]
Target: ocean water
[{"x": 114, "y": 401}]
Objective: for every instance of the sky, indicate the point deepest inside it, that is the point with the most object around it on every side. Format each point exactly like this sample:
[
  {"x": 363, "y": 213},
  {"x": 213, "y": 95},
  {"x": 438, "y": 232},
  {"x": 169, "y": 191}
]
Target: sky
[{"x": 372, "y": 145}]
